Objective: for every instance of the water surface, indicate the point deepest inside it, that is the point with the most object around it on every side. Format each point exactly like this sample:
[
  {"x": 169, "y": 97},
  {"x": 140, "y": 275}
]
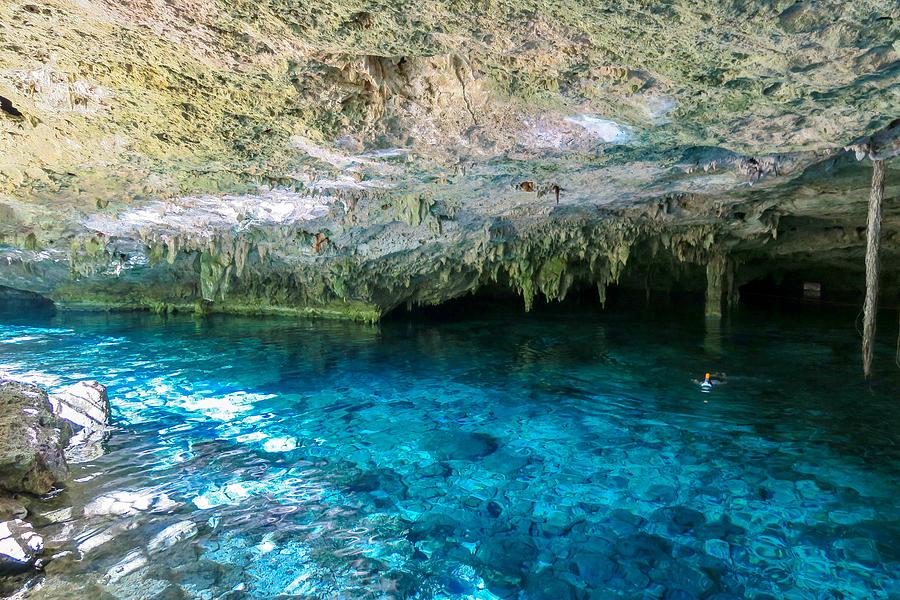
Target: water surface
[{"x": 487, "y": 454}]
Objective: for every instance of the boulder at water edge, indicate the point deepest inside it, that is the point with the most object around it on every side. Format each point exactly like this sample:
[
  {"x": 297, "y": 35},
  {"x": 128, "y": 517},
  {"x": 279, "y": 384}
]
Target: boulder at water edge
[
  {"x": 32, "y": 440},
  {"x": 84, "y": 404},
  {"x": 20, "y": 546}
]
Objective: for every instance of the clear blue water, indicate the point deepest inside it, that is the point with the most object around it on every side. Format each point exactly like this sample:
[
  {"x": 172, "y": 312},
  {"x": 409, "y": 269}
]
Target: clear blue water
[{"x": 489, "y": 454}]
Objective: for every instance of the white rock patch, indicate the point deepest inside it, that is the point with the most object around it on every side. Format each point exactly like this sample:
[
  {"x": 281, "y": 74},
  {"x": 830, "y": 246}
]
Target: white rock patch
[
  {"x": 608, "y": 131},
  {"x": 95, "y": 539},
  {"x": 19, "y": 543},
  {"x": 231, "y": 494},
  {"x": 133, "y": 561},
  {"x": 83, "y": 404},
  {"x": 120, "y": 504},
  {"x": 171, "y": 535},
  {"x": 204, "y": 215}
]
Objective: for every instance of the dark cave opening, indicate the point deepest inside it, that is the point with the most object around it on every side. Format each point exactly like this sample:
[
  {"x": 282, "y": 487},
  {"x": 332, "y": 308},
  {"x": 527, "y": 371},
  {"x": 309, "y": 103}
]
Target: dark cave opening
[
  {"x": 13, "y": 300},
  {"x": 7, "y": 106}
]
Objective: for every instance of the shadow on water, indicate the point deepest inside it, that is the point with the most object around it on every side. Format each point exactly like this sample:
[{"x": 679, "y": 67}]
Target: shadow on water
[{"x": 476, "y": 450}]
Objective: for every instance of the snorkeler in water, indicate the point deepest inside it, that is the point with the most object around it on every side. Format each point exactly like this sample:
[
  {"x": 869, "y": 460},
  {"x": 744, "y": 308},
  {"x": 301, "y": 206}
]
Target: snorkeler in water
[{"x": 709, "y": 380}]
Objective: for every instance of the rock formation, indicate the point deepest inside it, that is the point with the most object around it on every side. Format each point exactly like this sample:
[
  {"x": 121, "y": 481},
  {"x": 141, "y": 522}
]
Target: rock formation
[
  {"x": 32, "y": 440},
  {"x": 85, "y": 406},
  {"x": 20, "y": 546},
  {"x": 34, "y": 432},
  {"x": 345, "y": 159}
]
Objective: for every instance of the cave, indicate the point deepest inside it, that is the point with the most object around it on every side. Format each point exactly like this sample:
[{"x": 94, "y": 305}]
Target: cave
[{"x": 466, "y": 300}]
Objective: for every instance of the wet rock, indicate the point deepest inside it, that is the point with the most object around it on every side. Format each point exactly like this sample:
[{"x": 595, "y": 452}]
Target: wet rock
[
  {"x": 645, "y": 547},
  {"x": 59, "y": 515},
  {"x": 663, "y": 494},
  {"x": 505, "y": 461},
  {"x": 625, "y": 523},
  {"x": 511, "y": 555},
  {"x": 92, "y": 539},
  {"x": 722, "y": 529},
  {"x": 20, "y": 546},
  {"x": 459, "y": 445},
  {"x": 634, "y": 577},
  {"x": 718, "y": 549},
  {"x": 132, "y": 561},
  {"x": 681, "y": 578},
  {"x": 128, "y": 503},
  {"x": 677, "y": 594},
  {"x": 31, "y": 440},
  {"x": 594, "y": 570},
  {"x": 364, "y": 481},
  {"x": 463, "y": 580},
  {"x": 12, "y": 507},
  {"x": 84, "y": 404},
  {"x": 86, "y": 445},
  {"x": 171, "y": 535},
  {"x": 140, "y": 585},
  {"x": 433, "y": 525},
  {"x": 558, "y": 522},
  {"x": 679, "y": 519},
  {"x": 546, "y": 585}
]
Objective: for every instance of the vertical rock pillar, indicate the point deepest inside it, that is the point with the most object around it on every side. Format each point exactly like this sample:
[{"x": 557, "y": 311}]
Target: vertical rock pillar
[
  {"x": 873, "y": 241},
  {"x": 732, "y": 295},
  {"x": 715, "y": 280}
]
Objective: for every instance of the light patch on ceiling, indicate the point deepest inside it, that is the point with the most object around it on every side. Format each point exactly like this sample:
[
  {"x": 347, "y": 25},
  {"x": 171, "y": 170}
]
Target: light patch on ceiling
[
  {"x": 204, "y": 215},
  {"x": 608, "y": 131},
  {"x": 658, "y": 108},
  {"x": 345, "y": 182}
]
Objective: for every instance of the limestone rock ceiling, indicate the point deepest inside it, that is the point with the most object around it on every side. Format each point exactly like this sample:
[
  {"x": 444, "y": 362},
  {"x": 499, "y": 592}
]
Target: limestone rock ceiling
[{"x": 352, "y": 156}]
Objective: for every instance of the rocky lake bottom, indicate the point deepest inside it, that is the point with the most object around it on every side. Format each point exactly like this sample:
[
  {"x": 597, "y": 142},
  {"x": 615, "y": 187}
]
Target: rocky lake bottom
[{"x": 480, "y": 452}]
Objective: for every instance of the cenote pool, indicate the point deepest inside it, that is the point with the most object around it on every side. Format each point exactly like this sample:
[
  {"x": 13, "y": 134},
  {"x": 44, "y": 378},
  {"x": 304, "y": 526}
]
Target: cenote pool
[{"x": 484, "y": 453}]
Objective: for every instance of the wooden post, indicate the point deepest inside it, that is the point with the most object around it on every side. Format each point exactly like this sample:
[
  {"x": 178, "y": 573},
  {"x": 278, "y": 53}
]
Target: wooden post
[{"x": 873, "y": 241}]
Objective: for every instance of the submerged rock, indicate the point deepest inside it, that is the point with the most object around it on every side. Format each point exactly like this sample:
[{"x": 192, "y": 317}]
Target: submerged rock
[
  {"x": 86, "y": 445},
  {"x": 32, "y": 440},
  {"x": 20, "y": 546},
  {"x": 171, "y": 535},
  {"x": 460, "y": 445},
  {"x": 84, "y": 404},
  {"x": 132, "y": 561},
  {"x": 126, "y": 503},
  {"x": 12, "y": 508}
]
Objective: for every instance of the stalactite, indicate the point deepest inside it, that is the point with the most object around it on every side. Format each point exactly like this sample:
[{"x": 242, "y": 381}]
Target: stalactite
[
  {"x": 873, "y": 240},
  {"x": 172, "y": 246}
]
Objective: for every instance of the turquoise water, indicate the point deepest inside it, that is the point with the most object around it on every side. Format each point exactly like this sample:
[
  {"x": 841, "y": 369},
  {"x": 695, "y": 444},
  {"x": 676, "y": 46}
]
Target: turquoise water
[{"x": 486, "y": 454}]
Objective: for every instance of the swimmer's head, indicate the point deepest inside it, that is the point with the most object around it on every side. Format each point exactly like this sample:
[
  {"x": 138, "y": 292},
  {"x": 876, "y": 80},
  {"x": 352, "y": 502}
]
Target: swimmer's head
[{"x": 707, "y": 376}]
